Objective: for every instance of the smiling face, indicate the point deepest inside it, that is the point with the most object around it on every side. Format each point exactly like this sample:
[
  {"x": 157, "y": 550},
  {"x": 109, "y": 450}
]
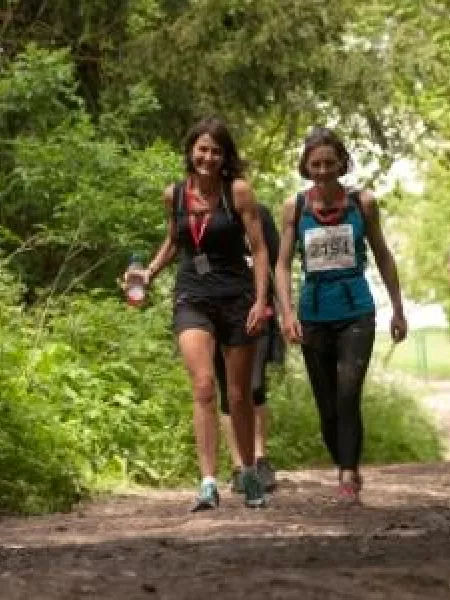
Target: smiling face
[
  {"x": 207, "y": 156},
  {"x": 323, "y": 165}
]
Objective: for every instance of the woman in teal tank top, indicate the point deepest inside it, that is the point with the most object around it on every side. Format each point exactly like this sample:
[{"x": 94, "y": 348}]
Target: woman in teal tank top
[
  {"x": 335, "y": 287},
  {"x": 335, "y": 319}
]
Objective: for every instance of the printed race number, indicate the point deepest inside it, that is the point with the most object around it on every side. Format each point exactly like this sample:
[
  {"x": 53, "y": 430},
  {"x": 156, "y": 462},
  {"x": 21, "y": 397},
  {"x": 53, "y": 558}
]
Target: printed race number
[{"x": 330, "y": 248}]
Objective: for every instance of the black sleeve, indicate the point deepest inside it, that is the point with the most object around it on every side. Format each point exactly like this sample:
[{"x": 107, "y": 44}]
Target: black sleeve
[{"x": 270, "y": 233}]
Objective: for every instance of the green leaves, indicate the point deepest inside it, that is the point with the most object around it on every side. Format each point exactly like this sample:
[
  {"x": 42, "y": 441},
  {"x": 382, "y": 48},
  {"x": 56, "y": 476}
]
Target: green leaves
[
  {"x": 81, "y": 198},
  {"x": 36, "y": 90}
]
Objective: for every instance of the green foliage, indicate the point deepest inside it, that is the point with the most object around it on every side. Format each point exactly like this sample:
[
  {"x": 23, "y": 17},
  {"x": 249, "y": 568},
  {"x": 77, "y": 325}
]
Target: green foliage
[
  {"x": 414, "y": 38},
  {"x": 40, "y": 463},
  {"x": 424, "y": 256},
  {"x": 88, "y": 394},
  {"x": 299, "y": 67},
  {"x": 397, "y": 428},
  {"x": 423, "y": 354},
  {"x": 41, "y": 469},
  {"x": 93, "y": 30},
  {"x": 80, "y": 200},
  {"x": 137, "y": 396},
  {"x": 36, "y": 90}
]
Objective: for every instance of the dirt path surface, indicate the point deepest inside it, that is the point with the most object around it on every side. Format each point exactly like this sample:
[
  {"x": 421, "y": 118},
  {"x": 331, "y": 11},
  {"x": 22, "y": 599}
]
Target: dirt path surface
[
  {"x": 303, "y": 545},
  {"x": 135, "y": 547}
]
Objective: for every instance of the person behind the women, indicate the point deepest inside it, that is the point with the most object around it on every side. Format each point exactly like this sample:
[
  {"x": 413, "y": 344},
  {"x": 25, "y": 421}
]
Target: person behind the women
[
  {"x": 218, "y": 300},
  {"x": 268, "y": 348},
  {"x": 335, "y": 320}
]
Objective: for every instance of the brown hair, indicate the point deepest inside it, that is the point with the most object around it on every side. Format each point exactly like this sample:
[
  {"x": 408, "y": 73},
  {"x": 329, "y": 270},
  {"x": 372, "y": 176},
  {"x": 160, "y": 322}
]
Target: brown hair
[{"x": 322, "y": 136}]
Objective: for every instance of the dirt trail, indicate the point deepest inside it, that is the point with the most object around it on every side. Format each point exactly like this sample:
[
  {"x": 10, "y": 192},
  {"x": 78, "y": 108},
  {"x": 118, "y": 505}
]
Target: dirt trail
[
  {"x": 303, "y": 545},
  {"x": 147, "y": 545}
]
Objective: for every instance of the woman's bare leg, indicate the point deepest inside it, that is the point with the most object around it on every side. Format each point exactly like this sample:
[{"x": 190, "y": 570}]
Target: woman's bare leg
[
  {"x": 197, "y": 348},
  {"x": 260, "y": 415},
  {"x": 260, "y": 430},
  {"x": 238, "y": 365},
  {"x": 227, "y": 427}
]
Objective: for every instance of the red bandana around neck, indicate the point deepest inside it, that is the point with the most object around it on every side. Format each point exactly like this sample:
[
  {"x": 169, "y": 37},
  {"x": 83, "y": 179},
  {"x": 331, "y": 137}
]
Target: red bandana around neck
[{"x": 331, "y": 215}]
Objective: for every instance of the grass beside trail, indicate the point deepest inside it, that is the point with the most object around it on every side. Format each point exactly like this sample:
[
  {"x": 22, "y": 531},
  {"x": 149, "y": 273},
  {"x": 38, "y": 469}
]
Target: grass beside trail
[{"x": 425, "y": 353}]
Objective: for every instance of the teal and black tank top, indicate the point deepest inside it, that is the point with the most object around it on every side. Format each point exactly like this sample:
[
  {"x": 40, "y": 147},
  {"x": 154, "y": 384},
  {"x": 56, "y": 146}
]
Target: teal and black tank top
[
  {"x": 334, "y": 259},
  {"x": 223, "y": 242}
]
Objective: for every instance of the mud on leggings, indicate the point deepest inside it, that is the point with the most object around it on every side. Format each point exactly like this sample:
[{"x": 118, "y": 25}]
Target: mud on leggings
[
  {"x": 258, "y": 374},
  {"x": 336, "y": 356}
]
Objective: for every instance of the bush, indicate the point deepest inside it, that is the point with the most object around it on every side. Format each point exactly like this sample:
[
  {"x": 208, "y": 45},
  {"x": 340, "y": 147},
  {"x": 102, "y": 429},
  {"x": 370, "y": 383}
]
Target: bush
[{"x": 40, "y": 466}]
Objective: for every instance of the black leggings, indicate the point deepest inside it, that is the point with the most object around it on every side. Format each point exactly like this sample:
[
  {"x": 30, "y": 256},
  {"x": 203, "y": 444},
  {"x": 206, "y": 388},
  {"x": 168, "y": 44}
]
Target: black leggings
[{"x": 336, "y": 356}]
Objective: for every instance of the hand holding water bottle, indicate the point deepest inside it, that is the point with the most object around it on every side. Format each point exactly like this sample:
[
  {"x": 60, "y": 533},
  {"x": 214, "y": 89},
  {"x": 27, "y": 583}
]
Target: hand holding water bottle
[{"x": 135, "y": 279}]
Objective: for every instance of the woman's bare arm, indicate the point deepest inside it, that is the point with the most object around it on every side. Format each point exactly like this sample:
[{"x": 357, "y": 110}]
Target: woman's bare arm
[
  {"x": 283, "y": 273},
  {"x": 245, "y": 205},
  {"x": 385, "y": 263},
  {"x": 169, "y": 247}
]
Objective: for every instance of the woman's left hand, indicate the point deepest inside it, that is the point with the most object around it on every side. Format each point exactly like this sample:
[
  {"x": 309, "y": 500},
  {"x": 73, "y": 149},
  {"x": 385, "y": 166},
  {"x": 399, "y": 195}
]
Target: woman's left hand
[
  {"x": 256, "y": 318},
  {"x": 399, "y": 327}
]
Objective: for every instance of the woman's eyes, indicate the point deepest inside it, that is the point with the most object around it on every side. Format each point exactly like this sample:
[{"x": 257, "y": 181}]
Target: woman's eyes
[
  {"x": 325, "y": 163},
  {"x": 214, "y": 151}
]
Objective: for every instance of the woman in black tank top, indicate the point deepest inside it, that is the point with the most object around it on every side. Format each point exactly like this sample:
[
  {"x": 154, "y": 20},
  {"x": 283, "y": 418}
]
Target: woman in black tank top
[{"x": 218, "y": 299}]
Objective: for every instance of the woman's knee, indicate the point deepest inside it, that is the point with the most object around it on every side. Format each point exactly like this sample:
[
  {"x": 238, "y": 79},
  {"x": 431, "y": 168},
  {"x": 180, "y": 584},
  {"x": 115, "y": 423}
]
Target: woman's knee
[
  {"x": 238, "y": 396},
  {"x": 204, "y": 389}
]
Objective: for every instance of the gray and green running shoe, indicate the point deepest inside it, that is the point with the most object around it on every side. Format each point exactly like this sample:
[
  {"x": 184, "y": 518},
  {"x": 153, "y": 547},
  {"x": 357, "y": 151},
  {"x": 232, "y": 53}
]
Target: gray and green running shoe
[
  {"x": 266, "y": 474},
  {"x": 253, "y": 490},
  {"x": 208, "y": 498}
]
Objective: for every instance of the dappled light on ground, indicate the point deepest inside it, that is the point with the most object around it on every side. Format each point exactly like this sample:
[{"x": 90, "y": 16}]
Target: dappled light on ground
[{"x": 148, "y": 543}]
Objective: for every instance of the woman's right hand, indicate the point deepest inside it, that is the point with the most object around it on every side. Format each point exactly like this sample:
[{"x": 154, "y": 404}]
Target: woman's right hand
[
  {"x": 136, "y": 272},
  {"x": 399, "y": 327},
  {"x": 292, "y": 329},
  {"x": 145, "y": 275}
]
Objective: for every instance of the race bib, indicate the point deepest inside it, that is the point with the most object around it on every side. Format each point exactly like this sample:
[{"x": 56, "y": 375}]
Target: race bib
[{"x": 330, "y": 248}]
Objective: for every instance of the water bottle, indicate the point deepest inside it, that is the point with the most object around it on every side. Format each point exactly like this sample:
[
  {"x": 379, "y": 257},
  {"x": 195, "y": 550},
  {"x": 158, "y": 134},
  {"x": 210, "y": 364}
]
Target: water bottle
[{"x": 135, "y": 290}]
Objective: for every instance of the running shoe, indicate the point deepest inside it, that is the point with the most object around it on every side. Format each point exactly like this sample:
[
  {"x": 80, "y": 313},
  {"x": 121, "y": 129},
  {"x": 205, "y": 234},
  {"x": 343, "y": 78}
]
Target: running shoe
[
  {"x": 208, "y": 497},
  {"x": 348, "y": 493},
  {"x": 236, "y": 481},
  {"x": 253, "y": 490},
  {"x": 266, "y": 474},
  {"x": 356, "y": 479}
]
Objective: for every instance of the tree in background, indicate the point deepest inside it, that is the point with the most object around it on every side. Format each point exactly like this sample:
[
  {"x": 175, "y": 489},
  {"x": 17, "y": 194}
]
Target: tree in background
[{"x": 415, "y": 37}]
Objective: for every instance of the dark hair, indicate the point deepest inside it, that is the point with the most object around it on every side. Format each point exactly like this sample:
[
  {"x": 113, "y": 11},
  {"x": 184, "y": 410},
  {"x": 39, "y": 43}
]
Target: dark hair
[
  {"x": 233, "y": 166},
  {"x": 322, "y": 136}
]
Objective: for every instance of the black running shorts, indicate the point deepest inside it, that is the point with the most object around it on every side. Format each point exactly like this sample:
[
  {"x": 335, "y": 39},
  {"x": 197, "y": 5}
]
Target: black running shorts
[{"x": 225, "y": 318}]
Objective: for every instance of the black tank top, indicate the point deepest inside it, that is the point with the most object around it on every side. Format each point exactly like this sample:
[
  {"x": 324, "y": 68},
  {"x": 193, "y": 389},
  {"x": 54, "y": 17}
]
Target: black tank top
[{"x": 223, "y": 242}]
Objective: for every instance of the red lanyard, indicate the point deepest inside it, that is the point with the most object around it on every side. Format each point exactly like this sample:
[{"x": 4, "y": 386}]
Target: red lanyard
[{"x": 197, "y": 224}]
